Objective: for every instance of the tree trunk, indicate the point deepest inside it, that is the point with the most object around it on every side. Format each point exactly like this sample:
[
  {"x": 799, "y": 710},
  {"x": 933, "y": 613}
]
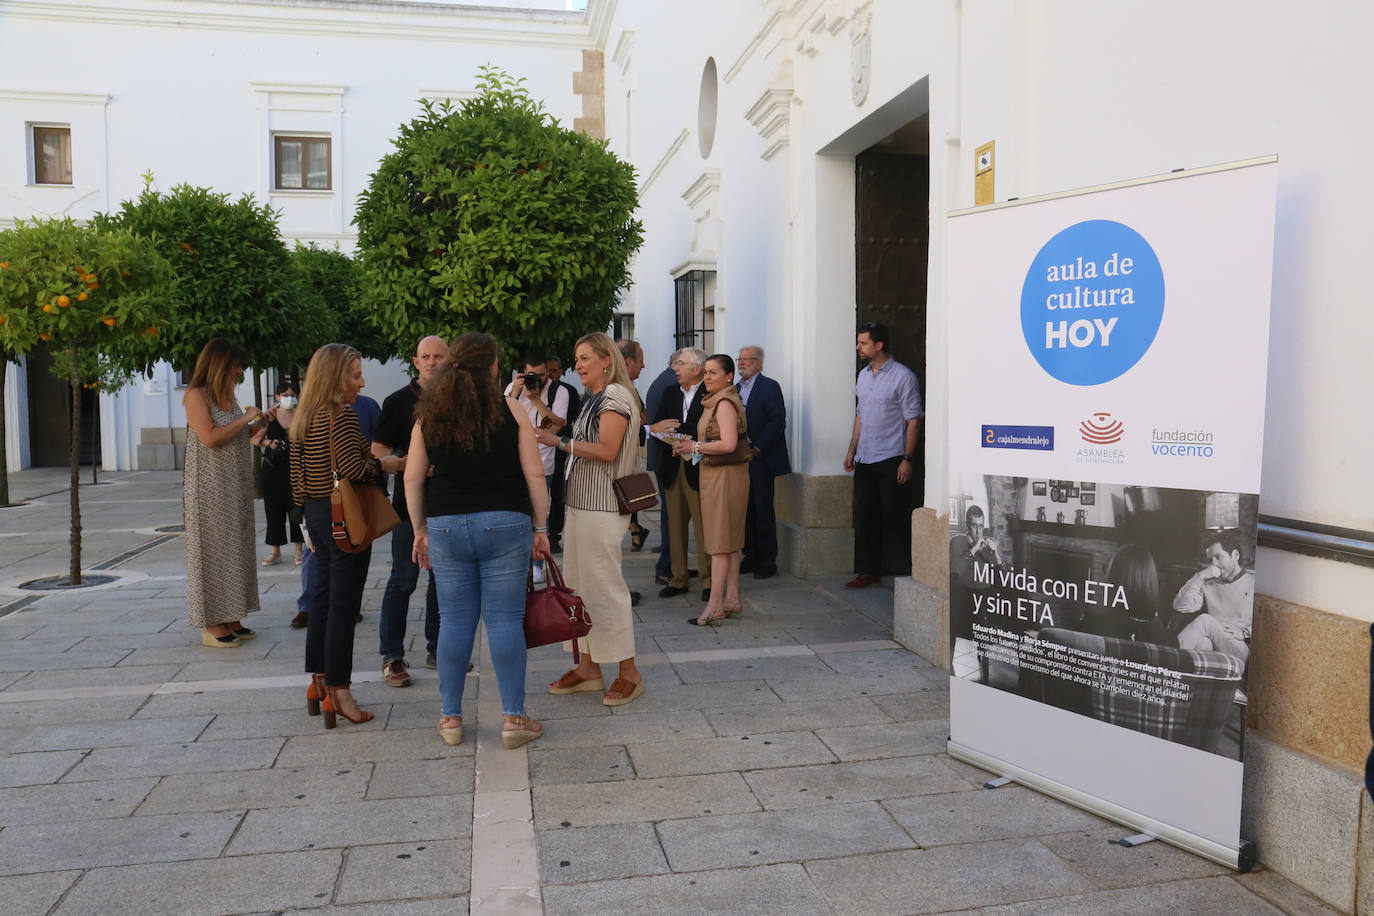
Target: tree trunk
[
  {"x": 4, "y": 452},
  {"x": 75, "y": 464}
]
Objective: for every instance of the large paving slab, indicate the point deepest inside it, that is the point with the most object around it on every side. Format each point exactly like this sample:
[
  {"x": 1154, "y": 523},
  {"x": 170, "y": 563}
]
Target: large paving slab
[
  {"x": 166, "y": 759},
  {"x": 946, "y": 879},
  {"x": 34, "y": 895},
  {"x": 37, "y": 769},
  {"x": 737, "y": 752},
  {"x": 1092, "y": 854},
  {"x": 743, "y": 891},
  {"x": 779, "y": 836},
  {"x": 116, "y": 841},
  {"x": 639, "y": 800},
  {"x": 350, "y": 824},
  {"x": 1011, "y": 811},
  {"x": 599, "y": 853},
  {"x": 72, "y": 801},
  {"x": 284, "y": 787},
  {"x": 893, "y": 778},
  {"x": 1213, "y": 896},
  {"x": 207, "y": 887},
  {"x": 401, "y": 871}
]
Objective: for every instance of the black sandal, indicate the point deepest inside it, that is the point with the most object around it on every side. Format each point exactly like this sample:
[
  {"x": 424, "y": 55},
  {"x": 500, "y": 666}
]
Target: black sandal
[{"x": 637, "y": 538}]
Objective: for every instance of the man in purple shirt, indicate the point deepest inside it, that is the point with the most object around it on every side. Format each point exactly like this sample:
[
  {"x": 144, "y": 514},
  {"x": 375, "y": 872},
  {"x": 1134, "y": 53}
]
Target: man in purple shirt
[{"x": 882, "y": 452}]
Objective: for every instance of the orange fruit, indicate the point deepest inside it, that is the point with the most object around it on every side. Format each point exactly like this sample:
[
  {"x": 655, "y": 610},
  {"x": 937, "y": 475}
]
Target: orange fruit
[
  {"x": 47, "y": 307},
  {"x": 4, "y": 265},
  {"x": 92, "y": 283},
  {"x": 82, "y": 297},
  {"x": 3, "y": 319},
  {"x": 185, "y": 246},
  {"x": 63, "y": 301},
  {"x": 150, "y": 331},
  {"x": 109, "y": 321},
  {"x": 45, "y": 337}
]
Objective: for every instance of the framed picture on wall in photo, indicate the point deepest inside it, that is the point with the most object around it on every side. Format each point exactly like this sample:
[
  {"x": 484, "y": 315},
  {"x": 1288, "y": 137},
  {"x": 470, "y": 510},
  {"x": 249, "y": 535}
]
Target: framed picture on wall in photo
[
  {"x": 1088, "y": 499},
  {"x": 1038, "y": 488},
  {"x": 1087, "y": 486}
]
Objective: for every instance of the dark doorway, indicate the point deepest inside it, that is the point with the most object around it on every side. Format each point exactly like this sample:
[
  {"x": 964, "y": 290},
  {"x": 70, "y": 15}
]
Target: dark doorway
[
  {"x": 50, "y": 416},
  {"x": 892, "y": 247}
]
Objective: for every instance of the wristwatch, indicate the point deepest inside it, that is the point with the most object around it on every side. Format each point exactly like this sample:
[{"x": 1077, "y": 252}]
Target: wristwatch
[
  {"x": 563, "y": 443},
  {"x": 911, "y": 459}
]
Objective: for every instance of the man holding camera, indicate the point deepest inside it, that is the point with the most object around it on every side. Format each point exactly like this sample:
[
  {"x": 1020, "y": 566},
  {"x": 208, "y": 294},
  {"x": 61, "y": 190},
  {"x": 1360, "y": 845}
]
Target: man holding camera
[{"x": 546, "y": 402}]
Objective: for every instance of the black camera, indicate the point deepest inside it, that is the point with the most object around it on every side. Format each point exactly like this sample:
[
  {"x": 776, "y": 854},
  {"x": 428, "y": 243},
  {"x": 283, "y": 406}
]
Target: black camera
[{"x": 532, "y": 381}]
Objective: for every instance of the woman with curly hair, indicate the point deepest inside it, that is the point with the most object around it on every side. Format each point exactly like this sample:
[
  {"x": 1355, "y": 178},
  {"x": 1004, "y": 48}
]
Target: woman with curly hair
[
  {"x": 326, "y": 440},
  {"x": 478, "y": 520}
]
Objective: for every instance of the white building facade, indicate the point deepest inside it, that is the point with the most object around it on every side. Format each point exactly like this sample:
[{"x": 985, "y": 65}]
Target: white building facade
[{"x": 763, "y": 133}]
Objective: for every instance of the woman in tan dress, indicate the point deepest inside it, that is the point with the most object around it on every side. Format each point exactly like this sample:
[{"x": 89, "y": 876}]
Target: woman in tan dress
[
  {"x": 221, "y": 561},
  {"x": 724, "y": 451}
]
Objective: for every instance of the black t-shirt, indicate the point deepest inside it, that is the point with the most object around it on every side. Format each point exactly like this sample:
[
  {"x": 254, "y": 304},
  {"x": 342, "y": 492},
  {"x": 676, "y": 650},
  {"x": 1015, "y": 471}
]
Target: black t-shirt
[
  {"x": 393, "y": 431},
  {"x": 481, "y": 479}
]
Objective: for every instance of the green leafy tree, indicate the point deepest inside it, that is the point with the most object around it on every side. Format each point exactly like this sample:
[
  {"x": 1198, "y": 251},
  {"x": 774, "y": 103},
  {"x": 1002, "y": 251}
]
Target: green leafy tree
[
  {"x": 234, "y": 273},
  {"x": 492, "y": 217},
  {"x": 100, "y": 299},
  {"x": 330, "y": 280}
]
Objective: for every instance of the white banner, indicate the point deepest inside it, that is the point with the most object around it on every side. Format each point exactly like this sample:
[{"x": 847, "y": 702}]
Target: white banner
[{"x": 1107, "y": 375}]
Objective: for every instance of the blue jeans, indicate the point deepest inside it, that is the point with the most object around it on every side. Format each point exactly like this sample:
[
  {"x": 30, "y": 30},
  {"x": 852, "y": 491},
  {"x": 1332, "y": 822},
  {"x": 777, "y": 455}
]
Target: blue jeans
[
  {"x": 391, "y": 628},
  {"x": 480, "y": 561}
]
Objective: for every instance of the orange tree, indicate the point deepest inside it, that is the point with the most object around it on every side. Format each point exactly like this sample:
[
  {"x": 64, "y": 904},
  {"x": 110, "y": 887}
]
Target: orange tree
[
  {"x": 492, "y": 217},
  {"x": 99, "y": 299},
  {"x": 234, "y": 275}
]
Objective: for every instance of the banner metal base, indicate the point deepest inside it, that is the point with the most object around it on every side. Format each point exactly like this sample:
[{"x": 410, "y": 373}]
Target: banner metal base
[{"x": 1241, "y": 859}]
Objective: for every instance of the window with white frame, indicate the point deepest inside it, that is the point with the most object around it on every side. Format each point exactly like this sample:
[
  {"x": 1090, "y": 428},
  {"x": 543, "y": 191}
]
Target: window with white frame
[
  {"x": 52, "y": 153},
  {"x": 302, "y": 163}
]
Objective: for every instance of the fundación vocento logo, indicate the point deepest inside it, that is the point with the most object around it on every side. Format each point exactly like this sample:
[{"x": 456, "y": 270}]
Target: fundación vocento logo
[
  {"x": 1182, "y": 443},
  {"x": 1101, "y": 431},
  {"x": 1038, "y": 438}
]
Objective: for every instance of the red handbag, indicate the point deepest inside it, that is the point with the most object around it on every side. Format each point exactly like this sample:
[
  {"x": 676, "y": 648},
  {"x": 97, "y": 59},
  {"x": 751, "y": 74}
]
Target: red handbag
[{"x": 553, "y": 613}]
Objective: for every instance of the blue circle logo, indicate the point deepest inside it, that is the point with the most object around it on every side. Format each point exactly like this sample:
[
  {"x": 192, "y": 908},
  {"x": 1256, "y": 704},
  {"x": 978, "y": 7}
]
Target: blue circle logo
[{"x": 1092, "y": 302}]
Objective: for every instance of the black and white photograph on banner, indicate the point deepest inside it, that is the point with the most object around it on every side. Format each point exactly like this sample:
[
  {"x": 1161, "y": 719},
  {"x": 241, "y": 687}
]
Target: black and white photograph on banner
[{"x": 1129, "y": 604}]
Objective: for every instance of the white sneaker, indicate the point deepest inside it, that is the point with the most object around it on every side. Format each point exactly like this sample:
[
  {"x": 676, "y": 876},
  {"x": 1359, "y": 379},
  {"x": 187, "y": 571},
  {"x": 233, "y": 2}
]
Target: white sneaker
[{"x": 539, "y": 572}]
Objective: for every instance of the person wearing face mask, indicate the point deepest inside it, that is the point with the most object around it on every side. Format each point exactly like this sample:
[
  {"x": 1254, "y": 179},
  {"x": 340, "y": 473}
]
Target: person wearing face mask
[{"x": 276, "y": 479}]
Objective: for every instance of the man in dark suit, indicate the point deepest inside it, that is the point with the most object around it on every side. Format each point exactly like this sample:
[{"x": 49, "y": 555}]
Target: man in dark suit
[
  {"x": 766, "y": 415},
  {"x": 680, "y": 410},
  {"x": 658, "y": 455}
]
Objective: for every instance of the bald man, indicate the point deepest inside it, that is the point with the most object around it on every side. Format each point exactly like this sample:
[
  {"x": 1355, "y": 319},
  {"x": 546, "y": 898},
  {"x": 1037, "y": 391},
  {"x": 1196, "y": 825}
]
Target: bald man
[{"x": 389, "y": 443}]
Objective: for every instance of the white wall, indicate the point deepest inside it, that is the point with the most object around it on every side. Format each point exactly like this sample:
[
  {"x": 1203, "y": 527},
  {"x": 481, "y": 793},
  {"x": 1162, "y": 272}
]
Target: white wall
[
  {"x": 195, "y": 91},
  {"x": 1074, "y": 93}
]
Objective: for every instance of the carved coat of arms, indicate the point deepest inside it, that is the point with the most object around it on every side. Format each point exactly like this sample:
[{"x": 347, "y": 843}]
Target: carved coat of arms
[{"x": 861, "y": 66}]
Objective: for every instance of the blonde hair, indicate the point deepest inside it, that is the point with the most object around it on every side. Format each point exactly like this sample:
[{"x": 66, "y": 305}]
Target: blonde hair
[
  {"x": 216, "y": 372},
  {"x": 603, "y": 346},
  {"x": 323, "y": 389}
]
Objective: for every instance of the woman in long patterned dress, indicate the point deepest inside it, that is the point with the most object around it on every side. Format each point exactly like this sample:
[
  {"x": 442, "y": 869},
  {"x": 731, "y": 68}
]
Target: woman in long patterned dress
[{"x": 221, "y": 561}]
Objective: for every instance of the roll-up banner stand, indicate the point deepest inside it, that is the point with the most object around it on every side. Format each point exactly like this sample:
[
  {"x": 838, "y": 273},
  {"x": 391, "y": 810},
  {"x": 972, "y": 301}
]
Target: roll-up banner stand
[{"x": 1107, "y": 378}]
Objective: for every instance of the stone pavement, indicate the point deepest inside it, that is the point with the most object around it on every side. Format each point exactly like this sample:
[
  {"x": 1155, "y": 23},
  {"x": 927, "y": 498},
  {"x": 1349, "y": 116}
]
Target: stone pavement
[{"x": 789, "y": 762}]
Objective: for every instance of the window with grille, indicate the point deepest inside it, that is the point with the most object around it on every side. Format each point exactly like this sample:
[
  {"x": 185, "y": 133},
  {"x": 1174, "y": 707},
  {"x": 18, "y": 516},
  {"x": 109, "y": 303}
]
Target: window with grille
[
  {"x": 695, "y": 293},
  {"x": 303, "y": 163}
]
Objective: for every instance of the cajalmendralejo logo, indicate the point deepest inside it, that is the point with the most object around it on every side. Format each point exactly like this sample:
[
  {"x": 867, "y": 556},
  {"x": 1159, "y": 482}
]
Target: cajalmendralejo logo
[{"x": 1037, "y": 438}]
